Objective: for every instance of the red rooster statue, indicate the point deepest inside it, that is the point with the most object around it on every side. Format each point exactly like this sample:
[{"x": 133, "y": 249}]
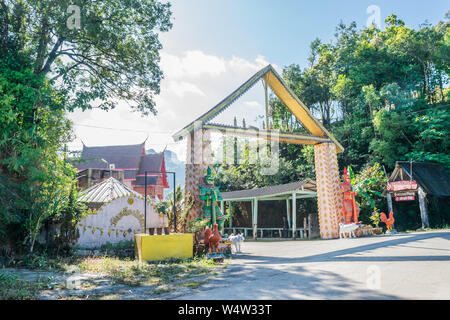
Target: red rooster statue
[
  {"x": 208, "y": 234},
  {"x": 389, "y": 222},
  {"x": 214, "y": 239}
]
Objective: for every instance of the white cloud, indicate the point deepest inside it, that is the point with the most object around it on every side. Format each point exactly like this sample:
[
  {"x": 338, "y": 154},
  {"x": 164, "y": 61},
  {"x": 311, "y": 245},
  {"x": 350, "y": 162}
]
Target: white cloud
[
  {"x": 180, "y": 88},
  {"x": 196, "y": 63},
  {"x": 191, "y": 64},
  {"x": 252, "y": 104},
  {"x": 193, "y": 83}
]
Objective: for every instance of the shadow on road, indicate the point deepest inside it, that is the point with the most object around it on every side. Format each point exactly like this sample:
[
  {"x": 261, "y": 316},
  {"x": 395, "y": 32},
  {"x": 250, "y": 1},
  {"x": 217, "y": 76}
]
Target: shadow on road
[
  {"x": 339, "y": 255},
  {"x": 257, "y": 282},
  {"x": 280, "y": 277}
]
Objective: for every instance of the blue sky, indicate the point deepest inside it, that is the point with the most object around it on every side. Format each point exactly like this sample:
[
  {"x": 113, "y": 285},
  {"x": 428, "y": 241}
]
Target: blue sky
[
  {"x": 279, "y": 30},
  {"x": 214, "y": 46}
]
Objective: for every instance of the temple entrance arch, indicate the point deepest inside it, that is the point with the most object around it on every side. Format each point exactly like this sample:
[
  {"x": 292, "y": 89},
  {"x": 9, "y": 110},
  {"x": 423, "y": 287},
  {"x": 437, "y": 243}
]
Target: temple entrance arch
[{"x": 326, "y": 147}]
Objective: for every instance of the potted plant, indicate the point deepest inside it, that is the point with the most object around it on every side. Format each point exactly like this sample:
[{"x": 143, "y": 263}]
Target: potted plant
[{"x": 376, "y": 218}]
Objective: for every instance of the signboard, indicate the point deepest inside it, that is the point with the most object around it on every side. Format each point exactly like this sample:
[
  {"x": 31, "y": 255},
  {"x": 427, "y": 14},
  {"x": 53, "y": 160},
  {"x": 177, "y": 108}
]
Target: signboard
[
  {"x": 405, "y": 198},
  {"x": 401, "y": 185},
  {"x": 402, "y": 194}
]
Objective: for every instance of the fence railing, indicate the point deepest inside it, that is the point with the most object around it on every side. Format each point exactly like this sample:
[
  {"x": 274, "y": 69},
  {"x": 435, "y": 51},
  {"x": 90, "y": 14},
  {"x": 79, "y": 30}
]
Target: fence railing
[{"x": 266, "y": 232}]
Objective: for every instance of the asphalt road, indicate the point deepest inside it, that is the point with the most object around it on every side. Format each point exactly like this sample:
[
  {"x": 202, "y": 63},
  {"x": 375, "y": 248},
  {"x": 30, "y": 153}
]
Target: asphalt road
[{"x": 402, "y": 266}]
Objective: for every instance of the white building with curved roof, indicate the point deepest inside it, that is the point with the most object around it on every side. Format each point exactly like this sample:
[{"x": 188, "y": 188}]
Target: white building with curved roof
[{"x": 115, "y": 213}]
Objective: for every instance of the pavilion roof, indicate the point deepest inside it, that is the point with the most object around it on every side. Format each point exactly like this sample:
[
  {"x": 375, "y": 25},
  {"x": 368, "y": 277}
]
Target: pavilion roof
[{"x": 281, "y": 191}]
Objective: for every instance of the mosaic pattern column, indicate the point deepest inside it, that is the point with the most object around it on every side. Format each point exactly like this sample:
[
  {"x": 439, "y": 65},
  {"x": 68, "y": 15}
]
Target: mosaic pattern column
[
  {"x": 329, "y": 193},
  {"x": 198, "y": 158}
]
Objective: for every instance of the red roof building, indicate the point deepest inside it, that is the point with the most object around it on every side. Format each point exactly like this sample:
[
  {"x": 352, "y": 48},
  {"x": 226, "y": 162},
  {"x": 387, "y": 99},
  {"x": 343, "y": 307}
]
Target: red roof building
[{"x": 133, "y": 160}]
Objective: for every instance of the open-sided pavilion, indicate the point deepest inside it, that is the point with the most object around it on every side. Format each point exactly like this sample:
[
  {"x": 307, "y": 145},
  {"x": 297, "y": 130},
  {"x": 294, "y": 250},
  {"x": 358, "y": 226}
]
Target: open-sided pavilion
[{"x": 289, "y": 192}]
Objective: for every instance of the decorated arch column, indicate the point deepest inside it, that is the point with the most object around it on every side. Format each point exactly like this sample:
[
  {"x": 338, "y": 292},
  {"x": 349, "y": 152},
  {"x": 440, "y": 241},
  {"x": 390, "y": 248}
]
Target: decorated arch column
[
  {"x": 198, "y": 158},
  {"x": 326, "y": 146},
  {"x": 329, "y": 193}
]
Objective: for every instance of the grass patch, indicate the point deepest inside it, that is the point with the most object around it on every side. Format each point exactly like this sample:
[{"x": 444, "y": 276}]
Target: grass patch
[
  {"x": 112, "y": 296},
  {"x": 134, "y": 273},
  {"x": 39, "y": 261},
  {"x": 119, "y": 270},
  {"x": 109, "y": 297},
  {"x": 193, "y": 284},
  {"x": 14, "y": 288},
  {"x": 161, "y": 290}
]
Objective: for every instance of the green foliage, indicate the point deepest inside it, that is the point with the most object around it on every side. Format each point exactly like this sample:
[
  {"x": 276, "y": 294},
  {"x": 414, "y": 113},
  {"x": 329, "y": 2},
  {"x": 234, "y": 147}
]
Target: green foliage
[
  {"x": 72, "y": 212},
  {"x": 183, "y": 205},
  {"x": 121, "y": 249},
  {"x": 112, "y": 55},
  {"x": 48, "y": 68},
  {"x": 197, "y": 225},
  {"x": 36, "y": 182},
  {"x": 375, "y": 217},
  {"x": 14, "y": 288},
  {"x": 383, "y": 93},
  {"x": 369, "y": 183}
]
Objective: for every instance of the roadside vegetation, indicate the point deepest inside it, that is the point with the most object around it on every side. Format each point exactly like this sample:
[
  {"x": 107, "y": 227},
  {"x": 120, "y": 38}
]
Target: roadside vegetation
[
  {"x": 159, "y": 277},
  {"x": 12, "y": 287}
]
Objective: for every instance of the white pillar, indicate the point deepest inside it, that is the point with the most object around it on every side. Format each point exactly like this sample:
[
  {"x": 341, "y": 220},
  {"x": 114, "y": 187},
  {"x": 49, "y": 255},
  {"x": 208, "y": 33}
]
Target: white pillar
[
  {"x": 230, "y": 210},
  {"x": 294, "y": 214},
  {"x": 288, "y": 212},
  {"x": 255, "y": 217},
  {"x": 389, "y": 202},
  {"x": 423, "y": 208}
]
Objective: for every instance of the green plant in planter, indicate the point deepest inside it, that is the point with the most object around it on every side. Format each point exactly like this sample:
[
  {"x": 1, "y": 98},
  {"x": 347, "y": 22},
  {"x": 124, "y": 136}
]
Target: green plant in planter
[{"x": 375, "y": 217}]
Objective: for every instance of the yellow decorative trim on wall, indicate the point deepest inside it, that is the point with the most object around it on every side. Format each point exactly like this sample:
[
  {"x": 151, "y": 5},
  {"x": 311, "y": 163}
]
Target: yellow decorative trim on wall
[
  {"x": 127, "y": 212},
  {"x": 91, "y": 211}
]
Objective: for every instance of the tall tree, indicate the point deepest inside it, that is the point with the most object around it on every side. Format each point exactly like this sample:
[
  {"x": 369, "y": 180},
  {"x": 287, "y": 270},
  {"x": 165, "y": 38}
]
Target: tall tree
[
  {"x": 96, "y": 51},
  {"x": 56, "y": 56}
]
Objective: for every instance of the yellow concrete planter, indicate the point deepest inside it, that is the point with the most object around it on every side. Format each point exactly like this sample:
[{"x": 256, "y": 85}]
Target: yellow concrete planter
[{"x": 163, "y": 247}]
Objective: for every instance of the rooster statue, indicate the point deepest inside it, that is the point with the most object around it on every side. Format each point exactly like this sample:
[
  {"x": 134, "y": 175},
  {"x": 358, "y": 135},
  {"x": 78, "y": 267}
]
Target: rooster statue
[
  {"x": 208, "y": 234},
  {"x": 389, "y": 222},
  {"x": 214, "y": 239}
]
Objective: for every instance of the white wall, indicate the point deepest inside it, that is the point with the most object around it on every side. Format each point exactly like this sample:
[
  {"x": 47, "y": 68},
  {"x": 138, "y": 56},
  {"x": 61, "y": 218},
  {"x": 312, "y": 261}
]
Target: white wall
[{"x": 121, "y": 218}]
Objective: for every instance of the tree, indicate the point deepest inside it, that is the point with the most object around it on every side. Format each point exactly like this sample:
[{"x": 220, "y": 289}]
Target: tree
[
  {"x": 94, "y": 51},
  {"x": 432, "y": 129},
  {"x": 56, "y": 56},
  {"x": 35, "y": 181},
  {"x": 370, "y": 183}
]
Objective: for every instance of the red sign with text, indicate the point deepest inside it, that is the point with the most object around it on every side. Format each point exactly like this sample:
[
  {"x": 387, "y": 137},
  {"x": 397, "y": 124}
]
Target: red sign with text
[
  {"x": 405, "y": 198},
  {"x": 401, "y": 185}
]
